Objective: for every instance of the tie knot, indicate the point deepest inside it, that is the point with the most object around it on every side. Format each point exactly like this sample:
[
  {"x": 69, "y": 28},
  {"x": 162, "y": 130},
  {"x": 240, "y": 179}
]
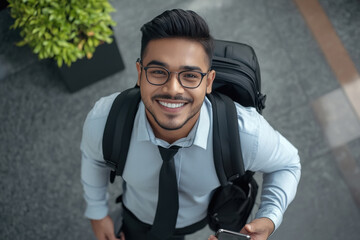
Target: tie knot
[{"x": 168, "y": 153}]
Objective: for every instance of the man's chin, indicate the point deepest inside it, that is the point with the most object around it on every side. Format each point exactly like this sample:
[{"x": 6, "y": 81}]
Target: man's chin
[
  {"x": 170, "y": 127},
  {"x": 170, "y": 123}
]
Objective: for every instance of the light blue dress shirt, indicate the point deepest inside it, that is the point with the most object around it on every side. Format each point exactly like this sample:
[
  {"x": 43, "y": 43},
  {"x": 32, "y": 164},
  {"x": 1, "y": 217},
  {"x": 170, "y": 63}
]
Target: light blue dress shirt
[{"x": 264, "y": 150}]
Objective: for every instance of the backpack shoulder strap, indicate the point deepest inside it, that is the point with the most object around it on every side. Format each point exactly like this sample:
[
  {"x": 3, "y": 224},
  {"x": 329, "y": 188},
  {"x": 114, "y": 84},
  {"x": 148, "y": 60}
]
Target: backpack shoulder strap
[
  {"x": 118, "y": 129},
  {"x": 226, "y": 141}
]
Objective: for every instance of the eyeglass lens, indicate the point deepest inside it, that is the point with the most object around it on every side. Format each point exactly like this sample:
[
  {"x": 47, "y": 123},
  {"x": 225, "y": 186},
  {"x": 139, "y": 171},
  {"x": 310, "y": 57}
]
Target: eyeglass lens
[{"x": 158, "y": 76}]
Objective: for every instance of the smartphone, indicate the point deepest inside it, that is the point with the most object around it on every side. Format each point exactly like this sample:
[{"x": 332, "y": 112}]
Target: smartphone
[{"x": 223, "y": 234}]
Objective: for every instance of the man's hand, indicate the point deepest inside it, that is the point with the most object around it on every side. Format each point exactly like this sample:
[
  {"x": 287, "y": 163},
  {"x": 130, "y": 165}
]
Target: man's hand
[
  {"x": 258, "y": 229},
  {"x": 104, "y": 229}
]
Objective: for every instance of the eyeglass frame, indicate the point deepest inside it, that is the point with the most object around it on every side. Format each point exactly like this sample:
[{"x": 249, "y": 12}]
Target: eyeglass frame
[{"x": 169, "y": 73}]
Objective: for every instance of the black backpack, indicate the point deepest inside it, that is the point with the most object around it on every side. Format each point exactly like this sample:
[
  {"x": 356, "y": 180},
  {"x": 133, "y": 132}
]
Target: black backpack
[{"x": 237, "y": 79}]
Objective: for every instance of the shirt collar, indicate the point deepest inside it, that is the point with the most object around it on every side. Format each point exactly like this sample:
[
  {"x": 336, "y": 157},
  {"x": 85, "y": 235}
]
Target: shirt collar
[{"x": 198, "y": 136}]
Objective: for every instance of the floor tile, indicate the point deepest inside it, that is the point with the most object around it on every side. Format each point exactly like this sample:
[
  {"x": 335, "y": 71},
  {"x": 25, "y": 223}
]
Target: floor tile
[
  {"x": 300, "y": 127},
  {"x": 321, "y": 204},
  {"x": 350, "y": 170},
  {"x": 352, "y": 90},
  {"x": 337, "y": 118},
  {"x": 355, "y": 149},
  {"x": 284, "y": 93}
]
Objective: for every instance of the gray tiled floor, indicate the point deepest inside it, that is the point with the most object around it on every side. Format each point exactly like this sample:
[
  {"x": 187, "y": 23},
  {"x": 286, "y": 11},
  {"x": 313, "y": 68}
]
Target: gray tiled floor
[{"x": 41, "y": 123}]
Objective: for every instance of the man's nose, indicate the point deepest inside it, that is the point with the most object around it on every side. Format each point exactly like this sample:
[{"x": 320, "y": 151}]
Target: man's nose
[{"x": 173, "y": 86}]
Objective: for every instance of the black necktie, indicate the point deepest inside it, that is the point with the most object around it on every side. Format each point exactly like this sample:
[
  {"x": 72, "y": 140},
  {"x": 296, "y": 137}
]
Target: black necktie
[{"x": 168, "y": 201}]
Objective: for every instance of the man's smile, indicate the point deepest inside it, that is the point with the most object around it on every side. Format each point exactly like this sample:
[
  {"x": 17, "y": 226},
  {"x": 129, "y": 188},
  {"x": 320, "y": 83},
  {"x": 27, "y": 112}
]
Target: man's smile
[{"x": 171, "y": 105}]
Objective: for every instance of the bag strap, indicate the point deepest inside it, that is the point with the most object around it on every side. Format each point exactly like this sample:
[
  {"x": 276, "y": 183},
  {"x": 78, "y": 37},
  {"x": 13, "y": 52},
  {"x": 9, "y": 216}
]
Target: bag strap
[
  {"x": 226, "y": 141},
  {"x": 118, "y": 129}
]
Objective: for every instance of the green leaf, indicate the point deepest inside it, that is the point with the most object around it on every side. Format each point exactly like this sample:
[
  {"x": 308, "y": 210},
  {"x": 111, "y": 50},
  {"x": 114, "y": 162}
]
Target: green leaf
[
  {"x": 48, "y": 50},
  {"x": 59, "y": 61},
  {"x": 21, "y": 43},
  {"x": 32, "y": 22},
  {"x": 56, "y": 49},
  {"x": 79, "y": 54},
  {"x": 54, "y": 31},
  {"x": 90, "y": 42},
  {"x": 66, "y": 59},
  {"x": 47, "y": 35},
  {"x": 37, "y": 48},
  {"x": 96, "y": 42},
  {"x": 54, "y": 4},
  {"x": 35, "y": 30},
  {"x": 108, "y": 40},
  {"x": 62, "y": 43},
  {"x": 73, "y": 58}
]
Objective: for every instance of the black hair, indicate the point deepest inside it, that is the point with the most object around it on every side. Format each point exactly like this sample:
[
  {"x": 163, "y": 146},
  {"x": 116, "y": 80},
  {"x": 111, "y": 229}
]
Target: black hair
[{"x": 178, "y": 23}]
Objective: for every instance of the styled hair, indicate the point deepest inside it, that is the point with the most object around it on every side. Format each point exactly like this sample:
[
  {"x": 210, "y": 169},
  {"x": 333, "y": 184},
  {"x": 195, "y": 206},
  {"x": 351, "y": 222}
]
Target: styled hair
[{"x": 178, "y": 23}]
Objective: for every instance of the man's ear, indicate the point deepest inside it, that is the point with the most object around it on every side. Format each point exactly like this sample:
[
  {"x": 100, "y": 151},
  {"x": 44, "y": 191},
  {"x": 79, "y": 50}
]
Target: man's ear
[
  {"x": 139, "y": 70},
  {"x": 210, "y": 80}
]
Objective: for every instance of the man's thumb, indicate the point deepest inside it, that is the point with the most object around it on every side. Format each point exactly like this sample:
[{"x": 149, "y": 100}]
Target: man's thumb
[{"x": 249, "y": 227}]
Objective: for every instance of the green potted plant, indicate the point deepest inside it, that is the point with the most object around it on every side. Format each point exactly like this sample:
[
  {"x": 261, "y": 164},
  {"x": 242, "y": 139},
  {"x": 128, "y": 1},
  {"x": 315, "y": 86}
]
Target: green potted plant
[{"x": 69, "y": 31}]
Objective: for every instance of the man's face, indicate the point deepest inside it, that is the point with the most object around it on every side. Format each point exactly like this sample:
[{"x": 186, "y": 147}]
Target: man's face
[{"x": 171, "y": 106}]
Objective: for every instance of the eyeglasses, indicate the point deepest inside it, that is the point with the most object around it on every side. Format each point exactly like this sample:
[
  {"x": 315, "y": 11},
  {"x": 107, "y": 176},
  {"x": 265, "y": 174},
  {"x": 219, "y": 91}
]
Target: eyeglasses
[{"x": 159, "y": 76}]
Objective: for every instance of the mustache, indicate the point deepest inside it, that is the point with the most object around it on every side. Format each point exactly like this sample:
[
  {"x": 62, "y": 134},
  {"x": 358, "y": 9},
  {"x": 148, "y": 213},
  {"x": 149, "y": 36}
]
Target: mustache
[{"x": 169, "y": 97}]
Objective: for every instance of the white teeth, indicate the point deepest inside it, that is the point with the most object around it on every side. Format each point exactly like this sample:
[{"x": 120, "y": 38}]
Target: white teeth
[{"x": 172, "y": 105}]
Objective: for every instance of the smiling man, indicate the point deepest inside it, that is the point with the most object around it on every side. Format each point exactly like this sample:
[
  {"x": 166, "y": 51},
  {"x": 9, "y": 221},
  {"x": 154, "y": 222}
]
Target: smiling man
[{"x": 174, "y": 76}]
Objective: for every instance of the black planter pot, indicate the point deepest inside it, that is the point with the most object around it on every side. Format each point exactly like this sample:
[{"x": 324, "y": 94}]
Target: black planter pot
[
  {"x": 105, "y": 62},
  {"x": 3, "y": 4}
]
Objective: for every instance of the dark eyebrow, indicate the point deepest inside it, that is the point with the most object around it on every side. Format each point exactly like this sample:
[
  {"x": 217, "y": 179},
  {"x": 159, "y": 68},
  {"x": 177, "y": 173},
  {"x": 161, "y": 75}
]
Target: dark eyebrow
[
  {"x": 155, "y": 62},
  {"x": 191, "y": 68},
  {"x": 186, "y": 67}
]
